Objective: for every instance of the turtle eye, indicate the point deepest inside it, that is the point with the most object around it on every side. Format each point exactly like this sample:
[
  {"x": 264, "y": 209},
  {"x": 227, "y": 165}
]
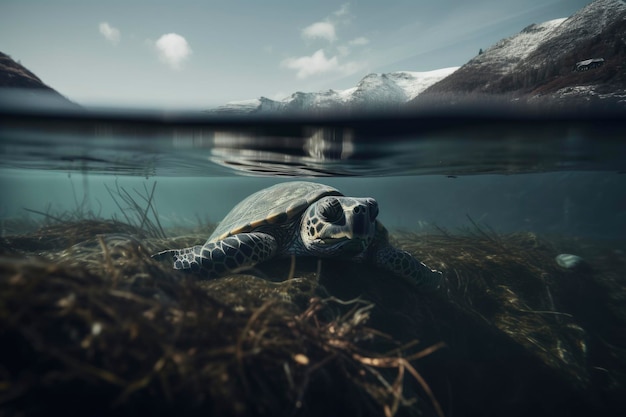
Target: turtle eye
[
  {"x": 373, "y": 208},
  {"x": 330, "y": 210}
]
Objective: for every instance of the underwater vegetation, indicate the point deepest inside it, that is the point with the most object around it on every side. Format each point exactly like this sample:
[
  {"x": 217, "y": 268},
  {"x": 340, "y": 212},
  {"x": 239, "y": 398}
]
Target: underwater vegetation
[{"x": 91, "y": 324}]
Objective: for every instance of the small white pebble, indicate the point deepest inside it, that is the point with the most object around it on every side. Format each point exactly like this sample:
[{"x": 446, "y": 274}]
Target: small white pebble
[{"x": 569, "y": 261}]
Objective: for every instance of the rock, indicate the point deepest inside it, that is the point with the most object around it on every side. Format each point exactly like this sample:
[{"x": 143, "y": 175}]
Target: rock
[{"x": 569, "y": 261}]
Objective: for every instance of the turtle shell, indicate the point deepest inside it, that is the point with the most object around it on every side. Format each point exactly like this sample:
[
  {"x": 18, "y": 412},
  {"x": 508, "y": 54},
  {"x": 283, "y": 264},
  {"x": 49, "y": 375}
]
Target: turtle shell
[{"x": 275, "y": 205}]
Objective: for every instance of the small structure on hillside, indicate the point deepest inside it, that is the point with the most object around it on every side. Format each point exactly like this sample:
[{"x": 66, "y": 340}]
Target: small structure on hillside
[{"x": 588, "y": 64}]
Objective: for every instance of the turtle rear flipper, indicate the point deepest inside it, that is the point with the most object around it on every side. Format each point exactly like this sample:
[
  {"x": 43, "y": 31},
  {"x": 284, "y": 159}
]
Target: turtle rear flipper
[{"x": 231, "y": 254}]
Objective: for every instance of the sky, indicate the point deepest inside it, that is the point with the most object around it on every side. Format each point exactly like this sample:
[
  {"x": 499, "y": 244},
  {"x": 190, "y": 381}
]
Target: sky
[{"x": 191, "y": 54}]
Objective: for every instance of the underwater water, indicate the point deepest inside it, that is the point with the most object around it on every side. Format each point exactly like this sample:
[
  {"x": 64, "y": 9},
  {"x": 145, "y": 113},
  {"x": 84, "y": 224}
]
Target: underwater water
[
  {"x": 472, "y": 194},
  {"x": 539, "y": 175}
]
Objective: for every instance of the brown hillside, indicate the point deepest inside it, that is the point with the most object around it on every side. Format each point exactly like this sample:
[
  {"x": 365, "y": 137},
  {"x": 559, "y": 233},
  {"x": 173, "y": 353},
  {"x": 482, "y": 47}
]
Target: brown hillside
[
  {"x": 20, "y": 83},
  {"x": 549, "y": 72},
  {"x": 13, "y": 74}
]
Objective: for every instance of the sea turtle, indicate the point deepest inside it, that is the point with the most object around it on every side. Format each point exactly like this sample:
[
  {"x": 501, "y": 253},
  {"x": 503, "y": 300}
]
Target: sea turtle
[{"x": 303, "y": 219}]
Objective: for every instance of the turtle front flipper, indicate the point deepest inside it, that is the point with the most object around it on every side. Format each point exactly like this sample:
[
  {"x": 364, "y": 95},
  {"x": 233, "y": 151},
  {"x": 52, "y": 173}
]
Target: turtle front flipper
[
  {"x": 403, "y": 264},
  {"x": 231, "y": 254}
]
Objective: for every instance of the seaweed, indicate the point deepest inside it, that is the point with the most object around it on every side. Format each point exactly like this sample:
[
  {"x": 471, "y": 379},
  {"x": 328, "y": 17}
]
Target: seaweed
[
  {"x": 127, "y": 334},
  {"x": 135, "y": 214},
  {"x": 88, "y": 318}
]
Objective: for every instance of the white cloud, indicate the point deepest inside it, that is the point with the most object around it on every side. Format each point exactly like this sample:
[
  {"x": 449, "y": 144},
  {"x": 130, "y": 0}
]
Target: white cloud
[
  {"x": 173, "y": 49},
  {"x": 343, "y": 10},
  {"x": 361, "y": 40},
  {"x": 312, "y": 65},
  {"x": 318, "y": 63},
  {"x": 320, "y": 30},
  {"x": 110, "y": 33}
]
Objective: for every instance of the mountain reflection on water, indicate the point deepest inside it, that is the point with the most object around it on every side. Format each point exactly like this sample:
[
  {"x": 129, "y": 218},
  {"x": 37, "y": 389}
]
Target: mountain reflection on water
[{"x": 193, "y": 144}]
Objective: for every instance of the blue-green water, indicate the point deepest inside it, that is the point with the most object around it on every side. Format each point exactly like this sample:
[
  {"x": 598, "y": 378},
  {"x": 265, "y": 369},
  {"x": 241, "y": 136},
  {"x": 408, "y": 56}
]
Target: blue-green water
[
  {"x": 517, "y": 323},
  {"x": 510, "y": 172},
  {"x": 587, "y": 204}
]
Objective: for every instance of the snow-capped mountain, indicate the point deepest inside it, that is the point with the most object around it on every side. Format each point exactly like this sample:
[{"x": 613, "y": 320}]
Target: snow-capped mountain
[
  {"x": 539, "y": 61},
  {"x": 390, "y": 89},
  {"x": 508, "y": 53}
]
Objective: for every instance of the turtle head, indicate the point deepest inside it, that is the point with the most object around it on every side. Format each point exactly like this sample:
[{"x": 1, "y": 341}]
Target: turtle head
[{"x": 339, "y": 226}]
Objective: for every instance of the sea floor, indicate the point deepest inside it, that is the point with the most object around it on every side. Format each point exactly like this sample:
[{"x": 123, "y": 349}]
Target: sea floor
[{"x": 91, "y": 324}]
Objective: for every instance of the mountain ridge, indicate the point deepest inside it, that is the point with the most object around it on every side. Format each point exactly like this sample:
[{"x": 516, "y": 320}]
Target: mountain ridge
[
  {"x": 536, "y": 64},
  {"x": 393, "y": 89}
]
